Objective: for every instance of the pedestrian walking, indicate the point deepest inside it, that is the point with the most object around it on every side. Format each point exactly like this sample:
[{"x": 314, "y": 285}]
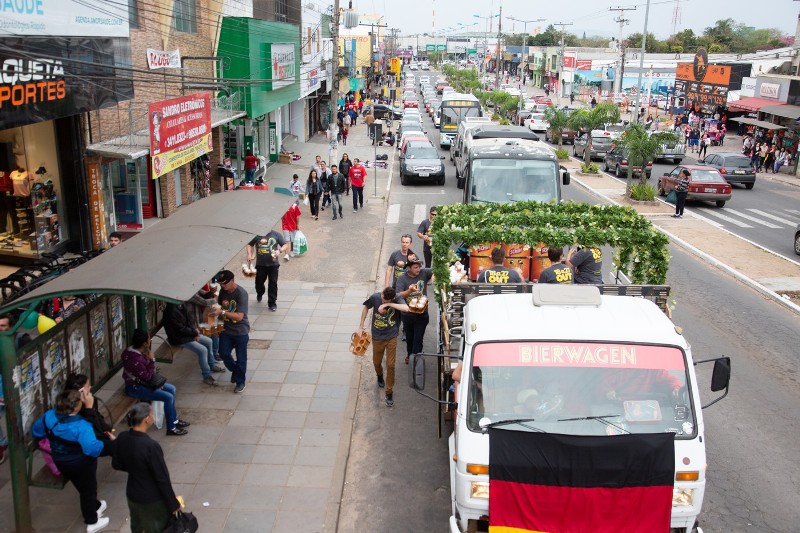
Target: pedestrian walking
[
  {"x": 324, "y": 174},
  {"x": 353, "y": 116},
  {"x": 314, "y": 191},
  {"x": 266, "y": 250},
  {"x": 358, "y": 175},
  {"x": 151, "y": 499},
  {"x": 233, "y": 310},
  {"x": 347, "y": 119},
  {"x": 338, "y": 185},
  {"x": 75, "y": 450},
  {"x": 398, "y": 262},
  {"x": 386, "y": 307},
  {"x": 681, "y": 191},
  {"x": 414, "y": 284},
  {"x": 317, "y": 164},
  {"x": 345, "y": 133},
  {"x": 182, "y": 330},
  {"x": 423, "y": 232},
  {"x": 345, "y": 164},
  {"x": 295, "y": 187},
  {"x": 290, "y": 223},
  {"x": 143, "y": 382}
]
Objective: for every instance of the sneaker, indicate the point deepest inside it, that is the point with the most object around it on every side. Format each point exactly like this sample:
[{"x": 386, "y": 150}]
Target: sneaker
[
  {"x": 174, "y": 432},
  {"x": 675, "y": 216},
  {"x": 102, "y": 509},
  {"x": 3, "y": 455},
  {"x": 218, "y": 369},
  {"x": 97, "y": 526},
  {"x": 389, "y": 400},
  {"x": 240, "y": 388},
  {"x": 273, "y": 308},
  {"x": 210, "y": 381},
  {"x": 334, "y": 218},
  {"x": 182, "y": 423},
  {"x": 680, "y": 216},
  {"x": 285, "y": 257},
  {"x": 217, "y": 357},
  {"x": 381, "y": 383},
  {"x": 259, "y": 297},
  {"x": 355, "y": 210},
  {"x": 323, "y": 208}
]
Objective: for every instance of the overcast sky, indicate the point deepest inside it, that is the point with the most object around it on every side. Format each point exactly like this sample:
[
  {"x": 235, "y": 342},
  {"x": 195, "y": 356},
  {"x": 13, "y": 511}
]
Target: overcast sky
[{"x": 590, "y": 16}]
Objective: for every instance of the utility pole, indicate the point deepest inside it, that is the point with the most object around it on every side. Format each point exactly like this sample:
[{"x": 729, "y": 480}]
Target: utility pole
[
  {"x": 622, "y": 22},
  {"x": 641, "y": 62},
  {"x": 561, "y": 61},
  {"x": 525, "y": 43},
  {"x": 497, "y": 51},
  {"x": 334, "y": 80}
]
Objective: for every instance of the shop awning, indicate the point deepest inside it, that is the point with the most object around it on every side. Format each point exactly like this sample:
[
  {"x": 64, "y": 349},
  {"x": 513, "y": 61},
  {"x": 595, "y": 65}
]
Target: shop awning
[
  {"x": 759, "y": 123},
  {"x": 751, "y": 105},
  {"x": 786, "y": 111},
  {"x": 178, "y": 255},
  {"x": 137, "y": 144}
]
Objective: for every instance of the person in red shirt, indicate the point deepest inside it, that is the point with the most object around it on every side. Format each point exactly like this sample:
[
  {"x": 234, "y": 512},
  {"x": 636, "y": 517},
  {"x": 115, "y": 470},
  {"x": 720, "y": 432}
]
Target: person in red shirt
[
  {"x": 290, "y": 223},
  {"x": 357, "y": 176},
  {"x": 251, "y": 163}
]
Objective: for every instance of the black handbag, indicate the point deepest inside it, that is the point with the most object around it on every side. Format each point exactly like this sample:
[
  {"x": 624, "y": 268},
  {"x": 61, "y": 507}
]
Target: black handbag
[
  {"x": 155, "y": 382},
  {"x": 181, "y": 522}
]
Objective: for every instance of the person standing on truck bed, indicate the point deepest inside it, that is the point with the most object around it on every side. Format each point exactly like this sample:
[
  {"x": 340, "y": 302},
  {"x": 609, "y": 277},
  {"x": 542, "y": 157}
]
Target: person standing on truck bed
[
  {"x": 498, "y": 273},
  {"x": 411, "y": 284},
  {"x": 558, "y": 272},
  {"x": 385, "y": 326},
  {"x": 587, "y": 264},
  {"x": 423, "y": 232}
]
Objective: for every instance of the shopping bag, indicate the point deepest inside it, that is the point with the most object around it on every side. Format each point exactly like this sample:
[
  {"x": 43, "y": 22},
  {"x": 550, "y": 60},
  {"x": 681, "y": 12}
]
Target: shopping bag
[
  {"x": 182, "y": 522},
  {"x": 158, "y": 414},
  {"x": 300, "y": 244},
  {"x": 672, "y": 197},
  {"x": 306, "y": 201}
]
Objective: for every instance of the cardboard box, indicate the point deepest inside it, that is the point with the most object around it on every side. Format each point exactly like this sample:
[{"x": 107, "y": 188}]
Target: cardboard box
[{"x": 285, "y": 159}]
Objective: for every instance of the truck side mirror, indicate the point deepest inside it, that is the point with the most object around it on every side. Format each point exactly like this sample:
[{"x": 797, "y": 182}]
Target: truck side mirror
[
  {"x": 416, "y": 372},
  {"x": 720, "y": 377},
  {"x": 565, "y": 177}
]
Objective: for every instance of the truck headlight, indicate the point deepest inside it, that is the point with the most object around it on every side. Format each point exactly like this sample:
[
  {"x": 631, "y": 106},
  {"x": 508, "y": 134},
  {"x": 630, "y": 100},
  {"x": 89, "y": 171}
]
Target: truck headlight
[
  {"x": 479, "y": 489},
  {"x": 682, "y": 497}
]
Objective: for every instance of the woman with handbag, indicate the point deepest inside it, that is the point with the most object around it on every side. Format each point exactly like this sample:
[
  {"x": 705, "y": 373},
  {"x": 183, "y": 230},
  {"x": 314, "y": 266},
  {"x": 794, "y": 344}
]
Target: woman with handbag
[
  {"x": 143, "y": 382},
  {"x": 151, "y": 500},
  {"x": 75, "y": 450}
]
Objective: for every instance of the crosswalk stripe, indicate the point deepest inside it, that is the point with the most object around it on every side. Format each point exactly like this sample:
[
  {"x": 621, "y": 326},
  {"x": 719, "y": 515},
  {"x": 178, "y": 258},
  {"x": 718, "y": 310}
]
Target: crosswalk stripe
[
  {"x": 752, "y": 218},
  {"x": 793, "y": 211},
  {"x": 774, "y": 217},
  {"x": 720, "y": 216},
  {"x": 393, "y": 214},
  {"x": 419, "y": 213}
]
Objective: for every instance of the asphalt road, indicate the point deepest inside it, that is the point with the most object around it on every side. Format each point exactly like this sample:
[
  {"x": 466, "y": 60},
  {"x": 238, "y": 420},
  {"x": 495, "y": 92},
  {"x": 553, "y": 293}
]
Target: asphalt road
[{"x": 397, "y": 477}]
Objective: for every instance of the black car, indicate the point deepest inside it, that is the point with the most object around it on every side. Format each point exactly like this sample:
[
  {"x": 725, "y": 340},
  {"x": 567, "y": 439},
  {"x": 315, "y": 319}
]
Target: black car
[
  {"x": 616, "y": 161},
  {"x": 735, "y": 168},
  {"x": 382, "y": 110},
  {"x": 421, "y": 161}
]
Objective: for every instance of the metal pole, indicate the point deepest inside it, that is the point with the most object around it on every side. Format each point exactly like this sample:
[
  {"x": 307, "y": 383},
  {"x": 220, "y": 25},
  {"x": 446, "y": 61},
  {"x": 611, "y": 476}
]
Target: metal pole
[
  {"x": 641, "y": 61},
  {"x": 334, "y": 96},
  {"x": 497, "y": 51}
]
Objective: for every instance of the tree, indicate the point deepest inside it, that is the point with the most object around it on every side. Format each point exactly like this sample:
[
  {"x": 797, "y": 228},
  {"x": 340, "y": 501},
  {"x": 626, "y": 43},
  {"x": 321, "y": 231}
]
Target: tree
[
  {"x": 593, "y": 119},
  {"x": 641, "y": 147},
  {"x": 558, "y": 119}
]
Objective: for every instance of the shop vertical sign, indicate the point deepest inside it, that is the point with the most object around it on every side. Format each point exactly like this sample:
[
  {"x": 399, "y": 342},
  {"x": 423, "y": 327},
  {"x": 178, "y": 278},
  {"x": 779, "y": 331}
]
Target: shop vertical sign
[
  {"x": 273, "y": 141},
  {"x": 180, "y": 131},
  {"x": 96, "y": 206}
]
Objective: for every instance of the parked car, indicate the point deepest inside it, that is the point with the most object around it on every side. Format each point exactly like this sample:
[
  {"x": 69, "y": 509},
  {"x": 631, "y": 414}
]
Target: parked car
[
  {"x": 705, "y": 184},
  {"x": 735, "y": 167},
  {"x": 381, "y": 111},
  {"x": 421, "y": 161},
  {"x": 797, "y": 240},
  {"x": 601, "y": 145},
  {"x": 411, "y": 102},
  {"x": 537, "y": 122},
  {"x": 543, "y": 100},
  {"x": 617, "y": 161},
  {"x": 416, "y": 136},
  {"x": 567, "y": 136},
  {"x": 413, "y": 66}
]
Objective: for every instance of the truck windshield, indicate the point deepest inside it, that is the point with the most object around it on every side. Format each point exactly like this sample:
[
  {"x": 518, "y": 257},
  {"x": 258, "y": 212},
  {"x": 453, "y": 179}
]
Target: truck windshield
[
  {"x": 513, "y": 180},
  {"x": 575, "y": 387}
]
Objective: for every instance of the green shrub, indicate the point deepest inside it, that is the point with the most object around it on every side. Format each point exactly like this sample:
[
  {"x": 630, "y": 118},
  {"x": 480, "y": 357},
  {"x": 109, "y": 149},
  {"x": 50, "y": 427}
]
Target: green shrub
[
  {"x": 643, "y": 192},
  {"x": 591, "y": 168},
  {"x": 495, "y": 116},
  {"x": 562, "y": 154},
  {"x": 504, "y": 122}
]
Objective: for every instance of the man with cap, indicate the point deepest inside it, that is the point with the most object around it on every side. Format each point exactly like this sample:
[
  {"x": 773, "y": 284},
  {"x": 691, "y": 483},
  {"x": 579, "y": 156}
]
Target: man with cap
[
  {"x": 233, "y": 310},
  {"x": 414, "y": 282},
  {"x": 266, "y": 250}
]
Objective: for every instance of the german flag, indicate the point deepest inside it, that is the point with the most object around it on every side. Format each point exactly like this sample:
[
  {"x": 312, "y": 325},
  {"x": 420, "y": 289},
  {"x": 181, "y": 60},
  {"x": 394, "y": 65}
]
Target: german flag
[{"x": 566, "y": 483}]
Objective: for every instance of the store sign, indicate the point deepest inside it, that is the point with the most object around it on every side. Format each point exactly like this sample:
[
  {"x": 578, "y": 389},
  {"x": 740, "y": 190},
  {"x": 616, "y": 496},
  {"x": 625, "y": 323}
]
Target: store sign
[
  {"x": 180, "y": 131},
  {"x": 702, "y": 83},
  {"x": 96, "y": 206},
  {"x": 273, "y": 141},
  {"x": 45, "y": 79},
  {"x": 282, "y": 59},
  {"x": 63, "y": 18},
  {"x": 584, "y": 64},
  {"x": 441, "y": 48},
  {"x": 163, "y": 59},
  {"x": 430, "y": 47},
  {"x": 570, "y": 60},
  {"x": 748, "y": 87},
  {"x": 312, "y": 77},
  {"x": 769, "y": 90}
]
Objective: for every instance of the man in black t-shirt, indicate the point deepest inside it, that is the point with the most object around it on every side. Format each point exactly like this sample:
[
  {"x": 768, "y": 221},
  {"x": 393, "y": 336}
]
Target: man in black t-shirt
[
  {"x": 558, "y": 272},
  {"x": 414, "y": 283},
  {"x": 398, "y": 261},
  {"x": 266, "y": 251},
  {"x": 498, "y": 273},
  {"x": 386, "y": 307},
  {"x": 587, "y": 264},
  {"x": 423, "y": 232}
]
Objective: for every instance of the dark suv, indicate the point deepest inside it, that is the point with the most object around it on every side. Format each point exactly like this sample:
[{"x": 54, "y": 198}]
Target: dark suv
[
  {"x": 735, "y": 168},
  {"x": 616, "y": 161}
]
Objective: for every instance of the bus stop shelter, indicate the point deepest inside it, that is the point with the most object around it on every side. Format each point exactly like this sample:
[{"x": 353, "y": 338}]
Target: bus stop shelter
[{"x": 168, "y": 262}]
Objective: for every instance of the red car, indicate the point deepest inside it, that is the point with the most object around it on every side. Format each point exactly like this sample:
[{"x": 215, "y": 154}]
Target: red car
[
  {"x": 410, "y": 103},
  {"x": 705, "y": 184},
  {"x": 543, "y": 100}
]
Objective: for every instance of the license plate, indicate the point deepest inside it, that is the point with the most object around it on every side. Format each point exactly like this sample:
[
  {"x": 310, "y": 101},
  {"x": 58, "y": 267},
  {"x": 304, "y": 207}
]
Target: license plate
[
  {"x": 738, "y": 171},
  {"x": 601, "y": 153},
  {"x": 709, "y": 189},
  {"x": 424, "y": 174}
]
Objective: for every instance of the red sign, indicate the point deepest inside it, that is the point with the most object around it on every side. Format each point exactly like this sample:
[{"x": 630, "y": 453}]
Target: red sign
[
  {"x": 570, "y": 60},
  {"x": 180, "y": 131},
  {"x": 584, "y": 64}
]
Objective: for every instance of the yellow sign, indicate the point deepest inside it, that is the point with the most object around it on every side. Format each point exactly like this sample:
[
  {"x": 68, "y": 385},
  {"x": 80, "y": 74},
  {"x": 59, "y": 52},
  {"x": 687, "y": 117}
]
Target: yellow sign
[{"x": 169, "y": 161}]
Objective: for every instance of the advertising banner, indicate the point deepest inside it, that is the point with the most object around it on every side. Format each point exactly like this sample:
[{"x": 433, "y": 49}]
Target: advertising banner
[
  {"x": 64, "y": 18},
  {"x": 283, "y": 65},
  {"x": 273, "y": 141},
  {"x": 96, "y": 207},
  {"x": 702, "y": 83},
  {"x": 430, "y": 47},
  {"x": 584, "y": 64},
  {"x": 163, "y": 59},
  {"x": 570, "y": 60},
  {"x": 180, "y": 131}
]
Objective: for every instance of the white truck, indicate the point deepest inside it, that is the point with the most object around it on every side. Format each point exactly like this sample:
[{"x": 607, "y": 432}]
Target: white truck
[{"x": 571, "y": 360}]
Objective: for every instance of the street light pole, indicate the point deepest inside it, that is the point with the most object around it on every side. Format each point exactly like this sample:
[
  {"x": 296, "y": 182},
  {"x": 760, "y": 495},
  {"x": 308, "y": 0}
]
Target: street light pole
[
  {"x": 641, "y": 62},
  {"x": 561, "y": 62},
  {"x": 525, "y": 43},
  {"x": 497, "y": 53}
]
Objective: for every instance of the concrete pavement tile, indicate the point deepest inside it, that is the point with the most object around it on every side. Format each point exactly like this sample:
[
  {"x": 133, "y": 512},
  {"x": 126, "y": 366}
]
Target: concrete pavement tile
[
  {"x": 304, "y": 304},
  {"x": 280, "y": 365},
  {"x": 269, "y": 475},
  {"x": 220, "y": 397},
  {"x": 310, "y": 476},
  {"x": 303, "y": 499},
  {"x": 202, "y": 433},
  {"x": 190, "y": 399},
  {"x": 222, "y": 473},
  {"x": 333, "y": 405},
  {"x": 241, "y": 435},
  {"x": 319, "y": 328},
  {"x": 296, "y": 320},
  {"x": 312, "y": 345},
  {"x": 316, "y": 456},
  {"x": 329, "y": 366},
  {"x": 249, "y": 418},
  {"x": 274, "y": 354},
  {"x": 296, "y": 390},
  {"x": 293, "y": 326},
  {"x": 331, "y": 391},
  {"x": 263, "y": 335},
  {"x": 325, "y": 421},
  {"x": 185, "y": 471},
  {"x": 284, "y": 345},
  {"x": 256, "y": 403},
  {"x": 256, "y": 353},
  {"x": 309, "y": 355},
  {"x": 326, "y": 313},
  {"x": 302, "y": 377},
  {"x": 216, "y": 495},
  {"x": 289, "y": 403},
  {"x": 342, "y": 337},
  {"x": 268, "y": 376},
  {"x": 338, "y": 346},
  {"x": 319, "y": 436},
  {"x": 190, "y": 451},
  {"x": 324, "y": 320},
  {"x": 51, "y": 517},
  {"x": 261, "y": 389},
  {"x": 330, "y": 299},
  {"x": 211, "y": 519},
  {"x": 299, "y": 312},
  {"x": 268, "y": 498},
  {"x": 233, "y": 453},
  {"x": 334, "y": 378},
  {"x": 286, "y": 419},
  {"x": 305, "y": 297},
  {"x": 343, "y": 356},
  {"x": 333, "y": 306},
  {"x": 274, "y": 455},
  {"x": 299, "y": 522},
  {"x": 248, "y": 521},
  {"x": 275, "y": 436},
  {"x": 305, "y": 366},
  {"x": 340, "y": 329},
  {"x": 317, "y": 336}
]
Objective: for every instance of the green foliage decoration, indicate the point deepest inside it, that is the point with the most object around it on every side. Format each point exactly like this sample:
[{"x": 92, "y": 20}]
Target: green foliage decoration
[
  {"x": 643, "y": 192},
  {"x": 591, "y": 168},
  {"x": 562, "y": 154}
]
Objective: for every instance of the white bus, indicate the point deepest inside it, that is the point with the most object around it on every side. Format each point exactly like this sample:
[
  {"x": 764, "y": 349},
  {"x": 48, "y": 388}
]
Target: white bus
[{"x": 455, "y": 108}]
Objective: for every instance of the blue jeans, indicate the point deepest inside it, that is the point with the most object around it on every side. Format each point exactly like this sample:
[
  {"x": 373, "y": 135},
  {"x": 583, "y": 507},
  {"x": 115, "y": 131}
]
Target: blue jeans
[
  {"x": 249, "y": 174},
  {"x": 238, "y": 368},
  {"x": 3, "y": 439},
  {"x": 204, "y": 348},
  {"x": 214, "y": 346},
  {"x": 165, "y": 394}
]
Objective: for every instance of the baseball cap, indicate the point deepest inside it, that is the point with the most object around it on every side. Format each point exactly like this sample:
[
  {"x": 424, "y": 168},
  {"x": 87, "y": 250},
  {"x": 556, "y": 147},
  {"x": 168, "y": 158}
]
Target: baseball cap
[
  {"x": 413, "y": 261},
  {"x": 224, "y": 276}
]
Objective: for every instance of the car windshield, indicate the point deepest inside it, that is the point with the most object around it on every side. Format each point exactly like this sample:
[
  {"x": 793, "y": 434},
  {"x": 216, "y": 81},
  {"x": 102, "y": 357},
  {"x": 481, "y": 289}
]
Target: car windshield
[
  {"x": 615, "y": 127},
  {"x": 422, "y": 152},
  {"x": 581, "y": 388},
  {"x": 706, "y": 176},
  {"x": 513, "y": 180},
  {"x": 601, "y": 141},
  {"x": 736, "y": 161}
]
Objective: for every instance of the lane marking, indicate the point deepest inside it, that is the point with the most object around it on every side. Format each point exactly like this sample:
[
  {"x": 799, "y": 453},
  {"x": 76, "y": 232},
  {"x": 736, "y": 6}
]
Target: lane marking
[
  {"x": 752, "y": 219},
  {"x": 793, "y": 211},
  {"x": 419, "y": 213},
  {"x": 774, "y": 217},
  {"x": 393, "y": 214},
  {"x": 726, "y": 218}
]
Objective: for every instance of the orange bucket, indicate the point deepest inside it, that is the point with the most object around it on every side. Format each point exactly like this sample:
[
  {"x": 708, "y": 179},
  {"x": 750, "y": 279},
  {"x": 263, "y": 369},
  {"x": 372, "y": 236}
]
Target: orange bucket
[
  {"x": 539, "y": 261},
  {"x": 480, "y": 259},
  {"x": 518, "y": 257}
]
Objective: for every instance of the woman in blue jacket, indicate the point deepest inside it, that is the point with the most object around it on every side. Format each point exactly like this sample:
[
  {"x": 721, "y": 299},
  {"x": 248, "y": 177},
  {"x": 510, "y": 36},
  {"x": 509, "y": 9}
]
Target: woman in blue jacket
[{"x": 75, "y": 450}]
